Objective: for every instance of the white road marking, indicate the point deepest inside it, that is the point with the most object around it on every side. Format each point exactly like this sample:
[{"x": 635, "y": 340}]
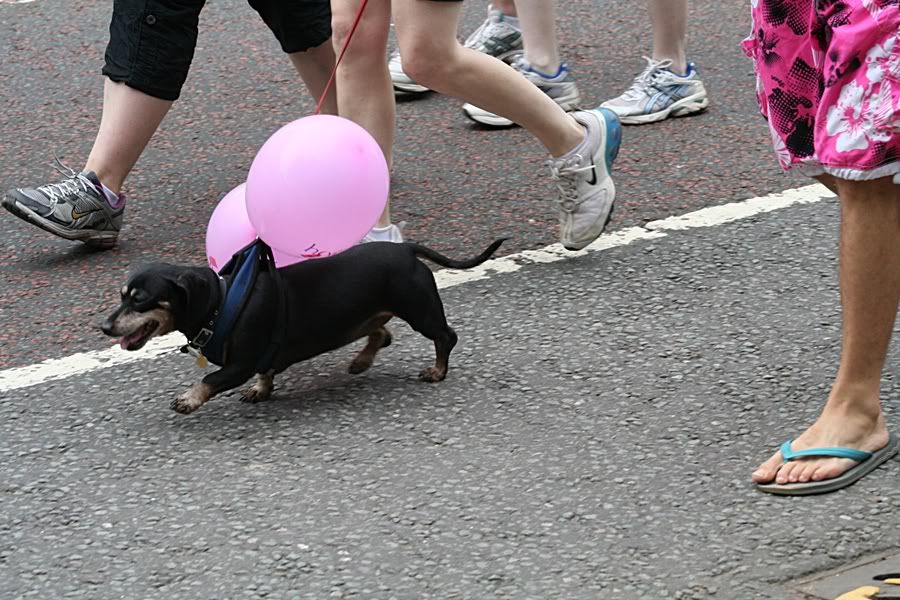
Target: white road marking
[{"x": 85, "y": 362}]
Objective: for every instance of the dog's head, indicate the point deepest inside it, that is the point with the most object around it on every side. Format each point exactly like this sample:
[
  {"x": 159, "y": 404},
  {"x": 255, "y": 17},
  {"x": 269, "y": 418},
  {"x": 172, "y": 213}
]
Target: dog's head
[{"x": 150, "y": 304}]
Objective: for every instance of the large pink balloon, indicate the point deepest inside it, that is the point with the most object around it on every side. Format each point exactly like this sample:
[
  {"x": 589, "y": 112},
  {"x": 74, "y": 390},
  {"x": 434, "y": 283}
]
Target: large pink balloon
[
  {"x": 317, "y": 186},
  {"x": 229, "y": 228}
]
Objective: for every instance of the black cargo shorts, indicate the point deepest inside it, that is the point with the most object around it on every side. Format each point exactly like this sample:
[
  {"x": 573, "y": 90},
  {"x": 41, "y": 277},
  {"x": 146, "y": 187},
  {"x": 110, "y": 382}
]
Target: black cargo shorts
[{"x": 151, "y": 42}]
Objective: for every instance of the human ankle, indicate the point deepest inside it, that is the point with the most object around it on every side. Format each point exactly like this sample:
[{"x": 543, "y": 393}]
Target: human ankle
[
  {"x": 576, "y": 137},
  {"x": 854, "y": 409}
]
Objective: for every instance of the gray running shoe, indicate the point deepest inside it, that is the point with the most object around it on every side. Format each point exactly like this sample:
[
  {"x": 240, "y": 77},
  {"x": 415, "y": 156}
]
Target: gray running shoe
[
  {"x": 587, "y": 193},
  {"x": 561, "y": 88},
  {"x": 74, "y": 209},
  {"x": 496, "y": 37}
]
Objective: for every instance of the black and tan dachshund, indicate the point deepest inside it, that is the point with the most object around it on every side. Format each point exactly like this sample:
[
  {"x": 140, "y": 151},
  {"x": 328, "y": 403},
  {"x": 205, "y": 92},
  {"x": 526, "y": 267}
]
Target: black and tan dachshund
[{"x": 330, "y": 302}]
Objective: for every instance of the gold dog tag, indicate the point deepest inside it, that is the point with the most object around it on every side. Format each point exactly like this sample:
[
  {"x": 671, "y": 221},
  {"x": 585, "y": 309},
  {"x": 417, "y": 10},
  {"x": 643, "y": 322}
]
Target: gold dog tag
[{"x": 201, "y": 361}]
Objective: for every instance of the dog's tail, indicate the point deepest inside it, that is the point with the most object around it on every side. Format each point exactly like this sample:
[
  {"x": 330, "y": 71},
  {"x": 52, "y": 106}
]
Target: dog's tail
[{"x": 440, "y": 259}]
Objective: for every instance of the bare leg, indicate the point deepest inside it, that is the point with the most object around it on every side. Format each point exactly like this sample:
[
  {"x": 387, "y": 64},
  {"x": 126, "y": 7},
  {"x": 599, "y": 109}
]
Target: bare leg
[
  {"x": 870, "y": 292},
  {"x": 427, "y": 35},
  {"x": 669, "y": 19},
  {"x": 538, "y": 21},
  {"x": 129, "y": 120},
  {"x": 365, "y": 94},
  {"x": 314, "y": 66}
]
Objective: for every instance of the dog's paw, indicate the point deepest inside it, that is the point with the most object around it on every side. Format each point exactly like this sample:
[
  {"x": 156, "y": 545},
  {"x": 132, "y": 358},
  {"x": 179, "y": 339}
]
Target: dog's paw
[
  {"x": 432, "y": 374},
  {"x": 260, "y": 391},
  {"x": 359, "y": 365},
  {"x": 254, "y": 394},
  {"x": 185, "y": 404},
  {"x": 191, "y": 400}
]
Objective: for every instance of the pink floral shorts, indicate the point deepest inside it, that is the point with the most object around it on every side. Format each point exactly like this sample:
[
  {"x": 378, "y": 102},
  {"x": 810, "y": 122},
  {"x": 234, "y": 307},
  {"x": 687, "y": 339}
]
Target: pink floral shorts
[{"x": 828, "y": 82}]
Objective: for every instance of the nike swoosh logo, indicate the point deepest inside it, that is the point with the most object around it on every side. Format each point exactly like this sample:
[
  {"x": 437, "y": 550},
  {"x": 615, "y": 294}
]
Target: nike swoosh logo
[
  {"x": 80, "y": 215},
  {"x": 593, "y": 180}
]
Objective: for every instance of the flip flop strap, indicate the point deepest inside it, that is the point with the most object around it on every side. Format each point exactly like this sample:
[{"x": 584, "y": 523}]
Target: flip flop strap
[{"x": 857, "y": 455}]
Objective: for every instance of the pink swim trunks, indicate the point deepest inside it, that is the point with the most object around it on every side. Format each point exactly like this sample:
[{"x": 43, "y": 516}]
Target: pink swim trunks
[{"x": 828, "y": 81}]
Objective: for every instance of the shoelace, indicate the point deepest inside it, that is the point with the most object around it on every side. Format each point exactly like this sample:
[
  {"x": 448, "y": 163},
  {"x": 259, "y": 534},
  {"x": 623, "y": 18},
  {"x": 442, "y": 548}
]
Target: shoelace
[
  {"x": 491, "y": 24},
  {"x": 61, "y": 192},
  {"x": 647, "y": 78},
  {"x": 564, "y": 173}
]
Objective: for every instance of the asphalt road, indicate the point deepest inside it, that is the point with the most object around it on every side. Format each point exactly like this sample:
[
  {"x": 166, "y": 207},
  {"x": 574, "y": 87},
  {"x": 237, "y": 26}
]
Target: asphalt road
[
  {"x": 594, "y": 439},
  {"x": 595, "y": 435}
]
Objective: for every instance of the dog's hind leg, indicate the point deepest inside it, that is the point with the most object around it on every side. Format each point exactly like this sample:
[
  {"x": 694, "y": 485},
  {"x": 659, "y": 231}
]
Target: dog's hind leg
[
  {"x": 261, "y": 389},
  {"x": 423, "y": 310},
  {"x": 378, "y": 339}
]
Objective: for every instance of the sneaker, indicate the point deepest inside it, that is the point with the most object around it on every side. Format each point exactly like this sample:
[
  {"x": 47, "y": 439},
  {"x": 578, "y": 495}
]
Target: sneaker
[
  {"x": 496, "y": 37},
  {"x": 586, "y": 190},
  {"x": 560, "y": 87},
  {"x": 400, "y": 79},
  {"x": 391, "y": 233},
  {"x": 658, "y": 93},
  {"x": 74, "y": 209}
]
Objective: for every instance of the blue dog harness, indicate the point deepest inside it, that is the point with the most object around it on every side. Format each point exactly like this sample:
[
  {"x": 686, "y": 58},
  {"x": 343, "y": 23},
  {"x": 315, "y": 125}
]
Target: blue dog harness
[{"x": 238, "y": 279}]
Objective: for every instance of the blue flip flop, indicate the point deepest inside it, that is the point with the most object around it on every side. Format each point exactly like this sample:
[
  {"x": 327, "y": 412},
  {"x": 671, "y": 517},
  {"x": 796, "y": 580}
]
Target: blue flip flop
[{"x": 867, "y": 462}]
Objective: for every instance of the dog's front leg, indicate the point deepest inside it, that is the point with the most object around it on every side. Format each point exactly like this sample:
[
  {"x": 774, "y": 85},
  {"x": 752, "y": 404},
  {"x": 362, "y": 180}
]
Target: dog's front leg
[
  {"x": 226, "y": 378},
  {"x": 261, "y": 390}
]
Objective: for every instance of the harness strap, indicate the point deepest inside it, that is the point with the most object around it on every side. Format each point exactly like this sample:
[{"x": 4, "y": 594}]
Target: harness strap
[{"x": 244, "y": 267}]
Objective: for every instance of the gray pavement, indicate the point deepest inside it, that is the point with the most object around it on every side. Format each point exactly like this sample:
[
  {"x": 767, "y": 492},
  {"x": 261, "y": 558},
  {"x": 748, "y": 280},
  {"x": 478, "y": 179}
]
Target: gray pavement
[{"x": 594, "y": 439}]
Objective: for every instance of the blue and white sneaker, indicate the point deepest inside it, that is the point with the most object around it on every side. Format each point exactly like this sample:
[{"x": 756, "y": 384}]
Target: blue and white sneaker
[
  {"x": 658, "y": 93},
  {"x": 560, "y": 87},
  {"x": 587, "y": 193}
]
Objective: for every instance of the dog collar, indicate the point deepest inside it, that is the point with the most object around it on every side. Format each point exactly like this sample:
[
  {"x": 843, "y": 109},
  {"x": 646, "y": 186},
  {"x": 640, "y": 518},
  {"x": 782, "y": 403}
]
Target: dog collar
[{"x": 195, "y": 346}]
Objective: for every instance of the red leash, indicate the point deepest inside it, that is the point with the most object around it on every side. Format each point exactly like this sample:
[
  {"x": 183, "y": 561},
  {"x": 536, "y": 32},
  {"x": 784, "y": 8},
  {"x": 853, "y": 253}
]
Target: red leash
[{"x": 330, "y": 83}]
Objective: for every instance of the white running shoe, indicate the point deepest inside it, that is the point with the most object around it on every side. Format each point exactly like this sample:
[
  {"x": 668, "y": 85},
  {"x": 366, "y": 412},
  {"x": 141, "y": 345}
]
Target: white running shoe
[
  {"x": 658, "y": 93},
  {"x": 587, "y": 193}
]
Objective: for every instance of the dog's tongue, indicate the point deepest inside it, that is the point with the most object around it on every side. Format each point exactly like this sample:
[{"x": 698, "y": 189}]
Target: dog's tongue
[{"x": 126, "y": 341}]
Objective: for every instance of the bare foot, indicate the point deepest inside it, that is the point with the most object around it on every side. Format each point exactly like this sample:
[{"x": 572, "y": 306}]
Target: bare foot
[{"x": 834, "y": 428}]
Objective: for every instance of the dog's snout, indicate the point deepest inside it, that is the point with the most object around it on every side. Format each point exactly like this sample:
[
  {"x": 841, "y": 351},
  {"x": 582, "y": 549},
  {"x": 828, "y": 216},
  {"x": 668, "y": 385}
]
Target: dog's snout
[{"x": 108, "y": 326}]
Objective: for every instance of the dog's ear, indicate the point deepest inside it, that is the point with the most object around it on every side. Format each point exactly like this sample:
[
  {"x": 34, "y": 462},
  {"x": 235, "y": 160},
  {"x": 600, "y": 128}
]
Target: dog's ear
[{"x": 189, "y": 284}]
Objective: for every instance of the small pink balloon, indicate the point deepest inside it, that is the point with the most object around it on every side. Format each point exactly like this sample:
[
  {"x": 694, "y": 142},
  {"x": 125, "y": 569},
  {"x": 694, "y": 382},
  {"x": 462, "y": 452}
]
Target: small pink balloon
[
  {"x": 317, "y": 186},
  {"x": 229, "y": 228}
]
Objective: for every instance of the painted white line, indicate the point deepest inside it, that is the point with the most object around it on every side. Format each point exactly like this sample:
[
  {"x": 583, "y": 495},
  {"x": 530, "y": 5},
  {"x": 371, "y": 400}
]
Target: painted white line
[
  {"x": 726, "y": 213},
  {"x": 85, "y": 362}
]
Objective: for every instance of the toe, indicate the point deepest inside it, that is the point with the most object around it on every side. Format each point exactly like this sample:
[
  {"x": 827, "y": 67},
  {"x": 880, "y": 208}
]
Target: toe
[
  {"x": 787, "y": 474},
  {"x": 805, "y": 470},
  {"x": 766, "y": 471}
]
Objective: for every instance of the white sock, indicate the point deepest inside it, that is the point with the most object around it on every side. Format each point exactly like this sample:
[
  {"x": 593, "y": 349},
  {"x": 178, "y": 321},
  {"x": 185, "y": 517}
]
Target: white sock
[{"x": 381, "y": 234}]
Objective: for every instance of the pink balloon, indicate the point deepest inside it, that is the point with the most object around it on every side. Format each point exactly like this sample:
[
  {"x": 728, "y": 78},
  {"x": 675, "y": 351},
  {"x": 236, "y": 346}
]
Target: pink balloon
[
  {"x": 283, "y": 260},
  {"x": 317, "y": 186},
  {"x": 229, "y": 228}
]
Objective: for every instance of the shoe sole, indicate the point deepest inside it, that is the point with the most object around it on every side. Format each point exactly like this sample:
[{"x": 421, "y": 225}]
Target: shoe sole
[
  {"x": 410, "y": 87},
  {"x": 567, "y": 105},
  {"x": 682, "y": 108},
  {"x": 92, "y": 238},
  {"x": 612, "y": 133}
]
